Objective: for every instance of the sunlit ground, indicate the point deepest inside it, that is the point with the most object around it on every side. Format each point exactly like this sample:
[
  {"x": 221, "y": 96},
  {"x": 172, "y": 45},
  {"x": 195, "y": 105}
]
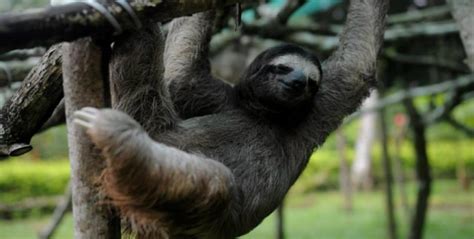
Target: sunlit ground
[{"x": 320, "y": 215}]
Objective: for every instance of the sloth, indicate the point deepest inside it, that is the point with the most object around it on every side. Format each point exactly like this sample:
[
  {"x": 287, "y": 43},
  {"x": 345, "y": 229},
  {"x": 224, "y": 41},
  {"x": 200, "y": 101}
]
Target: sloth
[{"x": 189, "y": 156}]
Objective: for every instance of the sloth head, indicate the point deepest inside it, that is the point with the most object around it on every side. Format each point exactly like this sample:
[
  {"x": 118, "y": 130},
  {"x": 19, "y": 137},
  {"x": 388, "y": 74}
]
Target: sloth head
[{"x": 280, "y": 80}]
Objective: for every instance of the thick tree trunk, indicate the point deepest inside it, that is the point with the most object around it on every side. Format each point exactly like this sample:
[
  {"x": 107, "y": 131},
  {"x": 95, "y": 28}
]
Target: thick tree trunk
[
  {"x": 26, "y": 111},
  {"x": 84, "y": 86}
]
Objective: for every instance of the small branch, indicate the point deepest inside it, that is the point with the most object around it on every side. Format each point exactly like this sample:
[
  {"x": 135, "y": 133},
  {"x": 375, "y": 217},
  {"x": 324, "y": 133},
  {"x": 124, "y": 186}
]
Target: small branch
[
  {"x": 22, "y": 54},
  {"x": 68, "y": 22},
  {"x": 281, "y": 221},
  {"x": 57, "y": 118},
  {"x": 276, "y": 27},
  {"x": 399, "y": 96},
  {"x": 423, "y": 173},
  {"x": 387, "y": 167},
  {"x": 426, "y": 29},
  {"x": 426, "y": 61},
  {"x": 290, "y": 7},
  {"x": 322, "y": 39},
  {"x": 61, "y": 209},
  {"x": 24, "y": 207},
  {"x": 431, "y": 13},
  {"x": 17, "y": 71},
  {"x": 454, "y": 100},
  {"x": 459, "y": 126}
]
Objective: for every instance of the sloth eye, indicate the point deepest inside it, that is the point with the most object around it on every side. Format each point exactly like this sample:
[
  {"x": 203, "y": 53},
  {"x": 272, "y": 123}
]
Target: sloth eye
[
  {"x": 313, "y": 84},
  {"x": 280, "y": 69}
]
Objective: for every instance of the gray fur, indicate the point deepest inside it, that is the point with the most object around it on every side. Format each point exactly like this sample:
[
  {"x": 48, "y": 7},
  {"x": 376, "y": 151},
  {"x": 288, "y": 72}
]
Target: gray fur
[{"x": 228, "y": 162}]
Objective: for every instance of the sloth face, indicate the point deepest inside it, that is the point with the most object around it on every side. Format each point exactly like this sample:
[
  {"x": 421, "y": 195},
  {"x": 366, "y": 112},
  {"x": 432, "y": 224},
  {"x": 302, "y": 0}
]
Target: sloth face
[
  {"x": 281, "y": 79},
  {"x": 283, "y": 86}
]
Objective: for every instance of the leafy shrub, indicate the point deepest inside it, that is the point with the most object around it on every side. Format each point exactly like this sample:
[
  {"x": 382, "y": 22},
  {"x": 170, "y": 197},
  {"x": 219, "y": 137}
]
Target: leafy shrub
[{"x": 20, "y": 179}]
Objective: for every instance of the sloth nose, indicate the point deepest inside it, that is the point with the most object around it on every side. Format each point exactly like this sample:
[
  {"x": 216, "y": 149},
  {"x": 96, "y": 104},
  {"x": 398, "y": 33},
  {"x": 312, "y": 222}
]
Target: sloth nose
[{"x": 296, "y": 80}]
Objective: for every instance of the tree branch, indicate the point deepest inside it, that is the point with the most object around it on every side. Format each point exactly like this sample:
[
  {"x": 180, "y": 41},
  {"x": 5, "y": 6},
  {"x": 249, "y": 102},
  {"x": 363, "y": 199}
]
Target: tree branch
[
  {"x": 57, "y": 118},
  {"x": 459, "y": 126},
  {"x": 422, "y": 168},
  {"x": 426, "y": 61},
  {"x": 22, "y": 54},
  {"x": 454, "y": 100},
  {"x": 26, "y": 111},
  {"x": 68, "y": 22},
  {"x": 430, "y": 14},
  {"x": 18, "y": 71},
  {"x": 395, "y": 98},
  {"x": 288, "y": 9}
]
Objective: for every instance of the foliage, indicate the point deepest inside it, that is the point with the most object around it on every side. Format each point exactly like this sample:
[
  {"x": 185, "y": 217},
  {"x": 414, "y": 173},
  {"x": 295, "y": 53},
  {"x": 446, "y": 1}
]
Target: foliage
[
  {"x": 20, "y": 179},
  {"x": 445, "y": 157}
]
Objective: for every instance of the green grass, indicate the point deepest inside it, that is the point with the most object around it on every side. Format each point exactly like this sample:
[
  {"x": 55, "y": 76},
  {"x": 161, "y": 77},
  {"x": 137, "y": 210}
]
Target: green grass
[{"x": 319, "y": 215}]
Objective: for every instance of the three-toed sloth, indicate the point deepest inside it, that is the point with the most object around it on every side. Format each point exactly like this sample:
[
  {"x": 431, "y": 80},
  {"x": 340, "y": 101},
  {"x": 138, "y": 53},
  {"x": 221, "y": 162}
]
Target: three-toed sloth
[{"x": 189, "y": 156}]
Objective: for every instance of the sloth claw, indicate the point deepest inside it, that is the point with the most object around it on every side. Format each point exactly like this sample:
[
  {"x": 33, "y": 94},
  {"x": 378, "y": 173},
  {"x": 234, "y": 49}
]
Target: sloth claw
[{"x": 85, "y": 117}]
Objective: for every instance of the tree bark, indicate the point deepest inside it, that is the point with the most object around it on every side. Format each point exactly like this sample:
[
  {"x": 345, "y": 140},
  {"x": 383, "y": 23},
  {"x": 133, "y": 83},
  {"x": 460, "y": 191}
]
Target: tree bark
[
  {"x": 84, "y": 86},
  {"x": 422, "y": 171},
  {"x": 26, "y": 111}
]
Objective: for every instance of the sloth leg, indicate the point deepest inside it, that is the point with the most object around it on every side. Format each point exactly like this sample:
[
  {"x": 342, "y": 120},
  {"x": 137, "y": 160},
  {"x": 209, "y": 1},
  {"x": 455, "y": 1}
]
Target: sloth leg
[
  {"x": 136, "y": 75},
  {"x": 187, "y": 68}
]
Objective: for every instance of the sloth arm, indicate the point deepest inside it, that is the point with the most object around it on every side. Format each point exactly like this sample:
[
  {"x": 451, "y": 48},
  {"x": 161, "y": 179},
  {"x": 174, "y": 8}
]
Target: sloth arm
[
  {"x": 192, "y": 87},
  {"x": 350, "y": 73},
  {"x": 143, "y": 174}
]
